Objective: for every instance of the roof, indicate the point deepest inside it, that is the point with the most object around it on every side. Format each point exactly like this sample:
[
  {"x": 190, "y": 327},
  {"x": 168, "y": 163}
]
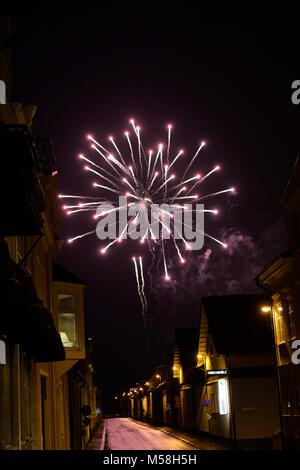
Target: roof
[
  {"x": 276, "y": 262},
  {"x": 61, "y": 274},
  {"x": 237, "y": 323},
  {"x": 187, "y": 341}
]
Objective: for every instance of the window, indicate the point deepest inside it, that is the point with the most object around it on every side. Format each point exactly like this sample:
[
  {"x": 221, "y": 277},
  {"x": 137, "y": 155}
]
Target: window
[
  {"x": 66, "y": 301},
  {"x": 281, "y": 327},
  {"x": 67, "y": 329},
  {"x": 2, "y": 352},
  {"x": 67, "y": 319}
]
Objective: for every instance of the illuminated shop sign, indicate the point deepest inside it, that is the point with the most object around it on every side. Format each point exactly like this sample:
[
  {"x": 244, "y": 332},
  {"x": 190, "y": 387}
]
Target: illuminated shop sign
[
  {"x": 218, "y": 372},
  {"x": 223, "y": 396}
]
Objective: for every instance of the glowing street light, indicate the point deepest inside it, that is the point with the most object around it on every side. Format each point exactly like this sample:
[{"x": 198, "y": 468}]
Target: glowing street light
[{"x": 158, "y": 377}]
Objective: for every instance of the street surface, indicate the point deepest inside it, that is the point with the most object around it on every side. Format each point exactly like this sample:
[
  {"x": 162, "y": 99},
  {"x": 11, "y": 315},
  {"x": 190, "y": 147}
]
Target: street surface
[{"x": 124, "y": 434}]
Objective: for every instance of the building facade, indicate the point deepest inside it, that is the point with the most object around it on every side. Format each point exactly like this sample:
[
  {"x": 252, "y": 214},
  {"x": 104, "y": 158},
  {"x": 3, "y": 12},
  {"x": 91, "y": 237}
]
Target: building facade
[
  {"x": 239, "y": 404},
  {"x": 221, "y": 380},
  {"x": 42, "y": 316}
]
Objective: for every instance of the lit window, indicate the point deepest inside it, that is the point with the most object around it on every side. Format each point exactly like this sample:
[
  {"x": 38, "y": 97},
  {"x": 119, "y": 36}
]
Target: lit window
[
  {"x": 281, "y": 327},
  {"x": 67, "y": 329},
  {"x": 2, "y": 352},
  {"x": 66, "y": 301}
]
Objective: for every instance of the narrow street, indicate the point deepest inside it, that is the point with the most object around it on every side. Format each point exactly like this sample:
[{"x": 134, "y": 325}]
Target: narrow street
[{"x": 125, "y": 434}]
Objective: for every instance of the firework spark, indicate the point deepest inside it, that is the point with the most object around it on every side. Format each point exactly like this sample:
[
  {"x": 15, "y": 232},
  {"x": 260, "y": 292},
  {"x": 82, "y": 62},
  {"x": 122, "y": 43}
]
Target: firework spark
[{"x": 143, "y": 177}]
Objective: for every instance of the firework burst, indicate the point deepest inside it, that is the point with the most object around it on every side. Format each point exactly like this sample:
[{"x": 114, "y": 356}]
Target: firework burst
[{"x": 145, "y": 178}]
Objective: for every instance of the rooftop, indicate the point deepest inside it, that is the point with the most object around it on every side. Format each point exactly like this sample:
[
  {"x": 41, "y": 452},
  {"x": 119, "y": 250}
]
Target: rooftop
[{"x": 61, "y": 274}]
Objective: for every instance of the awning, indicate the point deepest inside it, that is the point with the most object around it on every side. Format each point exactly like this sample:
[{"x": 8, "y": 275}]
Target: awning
[
  {"x": 24, "y": 197},
  {"x": 25, "y": 320}
]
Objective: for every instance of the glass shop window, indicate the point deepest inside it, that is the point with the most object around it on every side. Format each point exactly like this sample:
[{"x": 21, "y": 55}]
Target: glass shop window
[
  {"x": 66, "y": 301},
  {"x": 67, "y": 329}
]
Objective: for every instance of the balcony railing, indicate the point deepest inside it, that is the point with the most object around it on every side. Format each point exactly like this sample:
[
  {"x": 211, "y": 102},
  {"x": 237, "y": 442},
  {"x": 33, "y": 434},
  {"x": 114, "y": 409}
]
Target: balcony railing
[{"x": 22, "y": 194}]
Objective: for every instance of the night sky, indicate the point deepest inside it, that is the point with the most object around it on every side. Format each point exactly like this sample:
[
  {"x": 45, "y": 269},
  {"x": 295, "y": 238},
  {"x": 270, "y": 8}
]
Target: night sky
[{"x": 226, "y": 82}]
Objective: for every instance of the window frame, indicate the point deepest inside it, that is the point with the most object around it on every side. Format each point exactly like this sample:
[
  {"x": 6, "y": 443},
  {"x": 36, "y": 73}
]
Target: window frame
[
  {"x": 74, "y": 310},
  {"x": 281, "y": 327}
]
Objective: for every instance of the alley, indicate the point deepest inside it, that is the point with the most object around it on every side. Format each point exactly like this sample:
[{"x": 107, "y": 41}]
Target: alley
[{"x": 125, "y": 434}]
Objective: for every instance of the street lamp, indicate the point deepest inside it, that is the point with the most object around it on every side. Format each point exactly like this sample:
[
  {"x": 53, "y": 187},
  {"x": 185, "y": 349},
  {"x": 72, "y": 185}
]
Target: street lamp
[{"x": 158, "y": 377}]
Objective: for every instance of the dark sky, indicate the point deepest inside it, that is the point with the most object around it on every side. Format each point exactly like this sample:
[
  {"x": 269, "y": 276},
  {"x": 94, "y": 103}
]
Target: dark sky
[{"x": 228, "y": 82}]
